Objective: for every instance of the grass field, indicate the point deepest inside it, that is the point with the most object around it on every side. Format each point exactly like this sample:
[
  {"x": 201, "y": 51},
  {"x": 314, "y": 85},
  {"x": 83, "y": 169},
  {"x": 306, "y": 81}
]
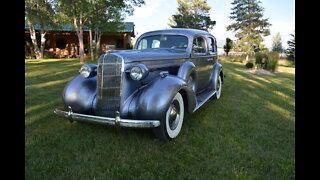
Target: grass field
[{"x": 248, "y": 134}]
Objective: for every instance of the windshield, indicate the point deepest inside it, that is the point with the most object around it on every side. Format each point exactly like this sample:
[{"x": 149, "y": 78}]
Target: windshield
[{"x": 163, "y": 41}]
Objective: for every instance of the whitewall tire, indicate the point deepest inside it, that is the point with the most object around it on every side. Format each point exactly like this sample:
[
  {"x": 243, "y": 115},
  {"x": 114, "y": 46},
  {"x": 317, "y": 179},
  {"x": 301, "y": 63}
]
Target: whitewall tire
[
  {"x": 219, "y": 88},
  {"x": 171, "y": 123}
]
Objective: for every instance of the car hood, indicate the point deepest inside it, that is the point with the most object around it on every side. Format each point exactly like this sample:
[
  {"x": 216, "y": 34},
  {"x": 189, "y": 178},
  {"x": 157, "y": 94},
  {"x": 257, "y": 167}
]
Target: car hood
[{"x": 150, "y": 54}]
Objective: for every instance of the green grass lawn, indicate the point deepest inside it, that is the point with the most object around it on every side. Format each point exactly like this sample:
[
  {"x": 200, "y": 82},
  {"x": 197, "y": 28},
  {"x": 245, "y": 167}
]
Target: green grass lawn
[{"x": 248, "y": 134}]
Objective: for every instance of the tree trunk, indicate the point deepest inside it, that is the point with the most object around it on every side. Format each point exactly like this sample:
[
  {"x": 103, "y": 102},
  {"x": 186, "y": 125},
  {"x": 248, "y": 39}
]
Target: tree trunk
[
  {"x": 79, "y": 30},
  {"x": 98, "y": 40},
  {"x": 91, "y": 44},
  {"x": 34, "y": 40},
  {"x": 43, "y": 40},
  {"x": 81, "y": 46}
]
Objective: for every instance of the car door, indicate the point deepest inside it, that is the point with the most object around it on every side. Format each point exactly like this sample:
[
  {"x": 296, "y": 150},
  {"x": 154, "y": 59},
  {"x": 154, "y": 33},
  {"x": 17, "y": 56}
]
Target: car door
[{"x": 203, "y": 60}]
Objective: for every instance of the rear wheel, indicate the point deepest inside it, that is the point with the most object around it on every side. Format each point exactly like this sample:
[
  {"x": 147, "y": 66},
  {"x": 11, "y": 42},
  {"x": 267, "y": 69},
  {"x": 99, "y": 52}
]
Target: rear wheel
[
  {"x": 171, "y": 123},
  {"x": 219, "y": 87}
]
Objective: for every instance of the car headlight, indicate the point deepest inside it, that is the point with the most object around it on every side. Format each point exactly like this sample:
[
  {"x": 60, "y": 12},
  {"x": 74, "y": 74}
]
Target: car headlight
[
  {"x": 88, "y": 70},
  {"x": 138, "y": 72}
]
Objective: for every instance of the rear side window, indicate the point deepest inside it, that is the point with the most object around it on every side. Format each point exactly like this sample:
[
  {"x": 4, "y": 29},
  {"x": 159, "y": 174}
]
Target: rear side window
[
  {"x": 212, "y": 46},
  {"x": 199, "y": 45}
]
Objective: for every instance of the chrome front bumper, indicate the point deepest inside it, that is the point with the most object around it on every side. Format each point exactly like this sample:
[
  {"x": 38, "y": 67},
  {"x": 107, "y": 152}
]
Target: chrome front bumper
[{"x": 117, "y": 121}]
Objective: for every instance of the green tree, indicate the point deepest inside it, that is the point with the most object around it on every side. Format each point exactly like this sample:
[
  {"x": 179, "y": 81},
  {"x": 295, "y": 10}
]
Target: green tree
[
  {"x": 291, "y": 50},
  {"x": 80, "y": 12},
  {"x": 249, "y": 25},
  {"x": 277, "y": 43},
  {"x": 39, "y": 12},
  {"x": 192, "y": 14},
  {"x": 228, "y": 46},
  {"x": 76, "y": 13},
  {"x": 103, "y": 16},
  {"x": 107, "y": 16}
]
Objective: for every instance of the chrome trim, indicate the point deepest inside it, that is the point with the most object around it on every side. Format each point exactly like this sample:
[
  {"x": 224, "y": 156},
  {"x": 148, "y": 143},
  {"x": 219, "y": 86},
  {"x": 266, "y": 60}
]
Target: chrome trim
[
  {"x": 164, "y": 73},
  {"x": 144, "y": 69},
  {"x": 117, "y": 121},
  {"x": 204, "y": 101},
  {"x": 109, "y": 85}
]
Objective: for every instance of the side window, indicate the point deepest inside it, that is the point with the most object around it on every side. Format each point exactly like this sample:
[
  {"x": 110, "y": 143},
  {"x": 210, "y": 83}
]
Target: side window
[
  {"x": 212, "y": 48},
  {"x": 142, "y": 44},
  {"x": 155, "y": 44},
  {"x": 199, "y": 45}
]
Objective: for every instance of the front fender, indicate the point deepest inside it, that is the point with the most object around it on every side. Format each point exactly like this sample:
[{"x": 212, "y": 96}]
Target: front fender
[
  {"x": 153, "y": 100},
  {"x": 79, "y": 93}
]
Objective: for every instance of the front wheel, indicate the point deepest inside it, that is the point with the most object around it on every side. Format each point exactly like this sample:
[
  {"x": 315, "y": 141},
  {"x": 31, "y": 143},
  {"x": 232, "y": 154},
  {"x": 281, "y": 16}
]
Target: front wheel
[{"x": 171, "y": 123}]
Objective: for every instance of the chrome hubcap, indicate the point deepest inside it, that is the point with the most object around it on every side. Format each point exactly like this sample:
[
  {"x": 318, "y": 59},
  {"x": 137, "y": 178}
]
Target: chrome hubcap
[{"x": 174, "y": 116}]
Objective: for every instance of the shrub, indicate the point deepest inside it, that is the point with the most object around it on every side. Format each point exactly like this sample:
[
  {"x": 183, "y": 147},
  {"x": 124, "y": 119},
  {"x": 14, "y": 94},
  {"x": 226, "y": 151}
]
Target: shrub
[
  {"x": 249, "y": 64},
  {"x": 272, "y": 61},
  {"x": 259, "y": 59},
  {"x": 48, "y": 55},
  {"x": 128, "y": 46}
]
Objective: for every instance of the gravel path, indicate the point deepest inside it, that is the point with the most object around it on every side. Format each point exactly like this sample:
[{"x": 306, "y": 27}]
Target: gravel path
[{"x": 261, "y": 71}]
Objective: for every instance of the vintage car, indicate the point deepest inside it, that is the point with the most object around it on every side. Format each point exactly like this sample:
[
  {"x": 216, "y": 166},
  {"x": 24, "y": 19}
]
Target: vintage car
[{"x": 168, "y": 73}]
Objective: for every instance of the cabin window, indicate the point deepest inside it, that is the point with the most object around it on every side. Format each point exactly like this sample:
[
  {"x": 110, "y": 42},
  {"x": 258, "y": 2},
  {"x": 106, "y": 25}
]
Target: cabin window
[
  {"x": 119, "y": 43},
  {"x": 61, "y": 43}
]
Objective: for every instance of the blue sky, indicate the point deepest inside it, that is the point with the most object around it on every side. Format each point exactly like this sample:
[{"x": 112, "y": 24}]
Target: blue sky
[{"x": 155, "y": 14}]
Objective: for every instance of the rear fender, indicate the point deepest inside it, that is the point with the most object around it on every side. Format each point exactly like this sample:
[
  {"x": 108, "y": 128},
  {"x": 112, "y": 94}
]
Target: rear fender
[{"x": 217, "y": 70}]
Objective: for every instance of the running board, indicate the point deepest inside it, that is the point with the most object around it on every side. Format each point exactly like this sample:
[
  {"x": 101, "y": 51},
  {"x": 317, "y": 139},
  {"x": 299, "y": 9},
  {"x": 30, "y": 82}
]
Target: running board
[{"x": 203, "y": 97}]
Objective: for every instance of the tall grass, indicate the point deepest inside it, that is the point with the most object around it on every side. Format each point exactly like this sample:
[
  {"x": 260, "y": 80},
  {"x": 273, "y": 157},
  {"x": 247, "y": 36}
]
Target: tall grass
[
  {"x": 272, "y": 61},
  {"x": 259, "y": 59}
]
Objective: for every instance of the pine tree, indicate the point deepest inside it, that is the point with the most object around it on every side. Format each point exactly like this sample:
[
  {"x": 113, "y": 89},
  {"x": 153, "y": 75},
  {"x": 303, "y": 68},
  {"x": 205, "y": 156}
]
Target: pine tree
[
  {"x": 228, "y": 46},
  {"x": 277, "y": 43},
  {"x": 291, "y": 50},
  {"x": 192, "y": 14},
  {"x": 249, "y": 26}
]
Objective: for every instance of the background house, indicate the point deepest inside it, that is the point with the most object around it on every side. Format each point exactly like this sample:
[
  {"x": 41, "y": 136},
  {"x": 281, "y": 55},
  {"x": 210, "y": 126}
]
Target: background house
[{"x": 63, "y": 42}]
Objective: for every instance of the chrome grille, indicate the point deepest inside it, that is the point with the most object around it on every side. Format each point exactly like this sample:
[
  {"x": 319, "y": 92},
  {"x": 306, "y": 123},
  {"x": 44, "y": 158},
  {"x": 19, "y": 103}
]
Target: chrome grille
[{"x": 109, "y": 77}]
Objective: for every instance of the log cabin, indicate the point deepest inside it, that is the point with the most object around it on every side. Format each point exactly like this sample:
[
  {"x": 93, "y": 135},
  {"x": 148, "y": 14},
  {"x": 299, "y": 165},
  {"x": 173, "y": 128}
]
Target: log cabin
[{"x": 63, "y": 42}]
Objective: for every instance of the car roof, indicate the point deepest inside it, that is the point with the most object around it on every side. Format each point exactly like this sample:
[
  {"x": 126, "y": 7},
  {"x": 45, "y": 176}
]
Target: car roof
[{"x": 185, "y": 31}]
